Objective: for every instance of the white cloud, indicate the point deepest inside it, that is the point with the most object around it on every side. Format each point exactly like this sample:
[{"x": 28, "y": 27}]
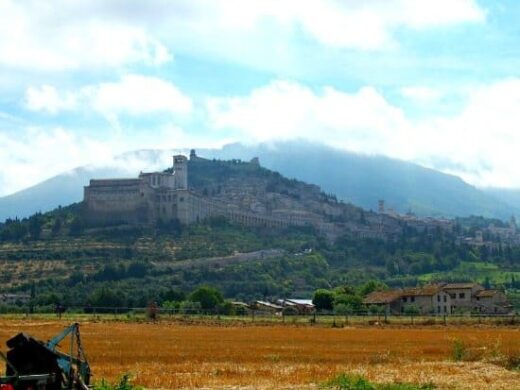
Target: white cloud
[
  {"x": 363, "y": 121},
  {"x": 371, "y": 24},
  {"x": 56, "y": 36},
  {"x": 483, "y": 138},
  {"x": 133, "y": 95},
  {"x": 35, "y": 154},
  {"x": 84, "y": 34},
  {"x": 137, "y": 95},
  {"x": 479, "y": 143},
  {"x": 47, "y": 98},
  {"x": 421, "y": 94},
  {"x": 368, "y": 24},
  {"x": 426, "y": 14}
]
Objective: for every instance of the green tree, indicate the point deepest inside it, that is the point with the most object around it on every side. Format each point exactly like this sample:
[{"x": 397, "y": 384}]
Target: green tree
[
  {"x": 208, "y": 297},
  {"x": 323, "y": 299},
  {"x": 412, "y": 311},
  {"x": 137, "y": 270},
  {"x": 351, "y": 300},
  {"x": 342, "y": 309},
  {"x": 76, "y": 226},
  {"x": 56, "y": 226},
  {"x": 371, "y": 286},
  {"x": 35, "y": 226},
  {"x": 107, "y": 297},
  {"x": 174, "y": 295}
]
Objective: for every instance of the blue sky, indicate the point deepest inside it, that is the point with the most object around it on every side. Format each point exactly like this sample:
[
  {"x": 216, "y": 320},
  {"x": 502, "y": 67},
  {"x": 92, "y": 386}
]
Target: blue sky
[{"x": 433, "y": 82}]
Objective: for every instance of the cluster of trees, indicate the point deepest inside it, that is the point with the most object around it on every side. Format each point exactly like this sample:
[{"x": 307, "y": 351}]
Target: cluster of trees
[
  {"x": 16, "y": 229},
  {"x": 204, "y": 299},
  {"x": 59, "y": 222},
  {"x": 345, "y": 299},
  {"x": 130, "y": 274}
]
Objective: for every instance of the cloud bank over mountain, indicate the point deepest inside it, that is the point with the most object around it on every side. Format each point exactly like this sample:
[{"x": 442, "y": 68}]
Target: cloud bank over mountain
[
  {"x": 356, "y": 178},
  {"x": 432, "y": 83}
]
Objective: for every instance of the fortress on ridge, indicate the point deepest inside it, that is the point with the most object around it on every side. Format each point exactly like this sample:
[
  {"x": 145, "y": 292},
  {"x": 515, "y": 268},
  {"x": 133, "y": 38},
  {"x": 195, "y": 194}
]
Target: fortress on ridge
[
  {"x": 150, "y": 197},
  {"x": 164, "y": 196},
  {"x": 246, "y": 193},
  {"x": 242, "y": 192}
]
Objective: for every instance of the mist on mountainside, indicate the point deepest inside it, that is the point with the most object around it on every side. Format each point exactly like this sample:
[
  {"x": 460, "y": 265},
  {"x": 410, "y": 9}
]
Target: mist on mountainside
[{"x": 359, "y": 179}]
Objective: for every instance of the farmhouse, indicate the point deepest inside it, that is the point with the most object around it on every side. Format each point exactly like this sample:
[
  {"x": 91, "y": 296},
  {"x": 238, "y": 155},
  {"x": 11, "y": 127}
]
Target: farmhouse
[
  {"x": 390, "y": 301},
  {"x": 430, "y": 299},
  {"x": 463, "y": 296},
  {"x": 492, "y": 302},
  {"x": 441, "y": 299}
]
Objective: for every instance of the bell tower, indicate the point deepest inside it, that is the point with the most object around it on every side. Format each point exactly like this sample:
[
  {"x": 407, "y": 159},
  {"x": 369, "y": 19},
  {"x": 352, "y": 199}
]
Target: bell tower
[{"x": 180, "y": 169}]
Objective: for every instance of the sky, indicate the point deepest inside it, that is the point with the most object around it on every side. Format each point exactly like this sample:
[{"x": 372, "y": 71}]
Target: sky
[{"x": 432, "y": 82}]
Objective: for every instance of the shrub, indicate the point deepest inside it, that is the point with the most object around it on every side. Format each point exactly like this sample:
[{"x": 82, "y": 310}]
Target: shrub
[
  {"x": 123, "y": 384},
  {"x": 348, "y": 382},
  {"x": 459, "y": 350},
  {"x": 513, "y": 362},
  {"x": 323, "y": 299},
  {"x": 342, "y": 309},
  {"x": 208, "y": 297},
  {"x": 290, "y": 311},
  {"x": 354, "y": 382}
]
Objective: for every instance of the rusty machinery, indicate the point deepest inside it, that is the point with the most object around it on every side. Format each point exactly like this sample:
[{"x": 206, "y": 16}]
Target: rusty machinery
[{"x": 32, "y": 364}]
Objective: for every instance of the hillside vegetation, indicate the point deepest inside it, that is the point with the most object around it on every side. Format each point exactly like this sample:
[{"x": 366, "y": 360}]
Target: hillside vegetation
[
  {"x": 59, "y": 259},
  {"x": 131, "y": 267}
]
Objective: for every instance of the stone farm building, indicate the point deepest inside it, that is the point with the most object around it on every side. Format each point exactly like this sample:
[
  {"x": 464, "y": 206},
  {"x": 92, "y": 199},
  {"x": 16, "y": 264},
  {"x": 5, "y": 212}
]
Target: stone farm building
[{"x": 441, "y": 299}]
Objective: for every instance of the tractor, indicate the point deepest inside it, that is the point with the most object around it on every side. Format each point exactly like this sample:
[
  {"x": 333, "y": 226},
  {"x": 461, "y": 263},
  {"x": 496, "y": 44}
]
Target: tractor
[{"x": 32, "y": 364}]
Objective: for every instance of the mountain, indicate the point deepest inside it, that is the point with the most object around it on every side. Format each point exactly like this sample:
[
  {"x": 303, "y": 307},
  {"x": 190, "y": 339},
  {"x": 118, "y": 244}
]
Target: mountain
[
  {"x": 359, "y": 179},
  {"x": 67, "y": 187},
  {"x": 363, "y": 180},
  {"x": 509, "y": 196},
  {"x": 65, "y": 258},
  {"x": 60, "y": 190}
]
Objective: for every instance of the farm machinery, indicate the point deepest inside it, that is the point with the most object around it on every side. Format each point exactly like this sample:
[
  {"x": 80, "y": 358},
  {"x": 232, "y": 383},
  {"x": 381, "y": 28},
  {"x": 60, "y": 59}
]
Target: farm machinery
[{"x": 32, "y": 364}]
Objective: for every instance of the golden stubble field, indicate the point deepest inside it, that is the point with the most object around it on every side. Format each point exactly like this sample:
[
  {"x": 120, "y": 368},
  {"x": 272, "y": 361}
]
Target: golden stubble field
[{"x": 168, "y": 355}]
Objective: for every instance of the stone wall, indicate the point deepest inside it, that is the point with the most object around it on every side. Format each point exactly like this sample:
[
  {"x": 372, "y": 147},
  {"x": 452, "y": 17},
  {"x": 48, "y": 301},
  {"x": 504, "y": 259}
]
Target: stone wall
[{"x": 114, "y": 201}]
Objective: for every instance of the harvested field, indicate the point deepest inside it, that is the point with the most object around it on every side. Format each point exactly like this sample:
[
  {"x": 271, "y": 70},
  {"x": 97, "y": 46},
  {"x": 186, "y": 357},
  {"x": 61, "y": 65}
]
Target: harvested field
[{"x": 168, "y": 355}]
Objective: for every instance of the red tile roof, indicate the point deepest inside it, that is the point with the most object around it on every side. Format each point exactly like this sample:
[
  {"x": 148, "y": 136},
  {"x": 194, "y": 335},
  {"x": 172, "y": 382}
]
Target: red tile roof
[
  {"x": 486, "y": 293},
  {"x": 450, "y": 286},
  {"x": 381, "y": 297},
  {"x": 428, "y": 290}
]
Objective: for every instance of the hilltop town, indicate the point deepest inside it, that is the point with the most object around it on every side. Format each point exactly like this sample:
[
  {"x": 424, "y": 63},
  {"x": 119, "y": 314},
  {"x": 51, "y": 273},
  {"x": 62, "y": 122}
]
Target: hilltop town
[
  {"x": 250, "y": 232},
  {"x": 246, "y": 193},
  {"x": 195, "y": 189}
]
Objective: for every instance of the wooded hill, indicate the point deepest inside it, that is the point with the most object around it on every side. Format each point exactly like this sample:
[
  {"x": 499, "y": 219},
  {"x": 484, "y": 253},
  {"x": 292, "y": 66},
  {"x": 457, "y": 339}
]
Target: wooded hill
[{"x": 59, "y": 259}]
